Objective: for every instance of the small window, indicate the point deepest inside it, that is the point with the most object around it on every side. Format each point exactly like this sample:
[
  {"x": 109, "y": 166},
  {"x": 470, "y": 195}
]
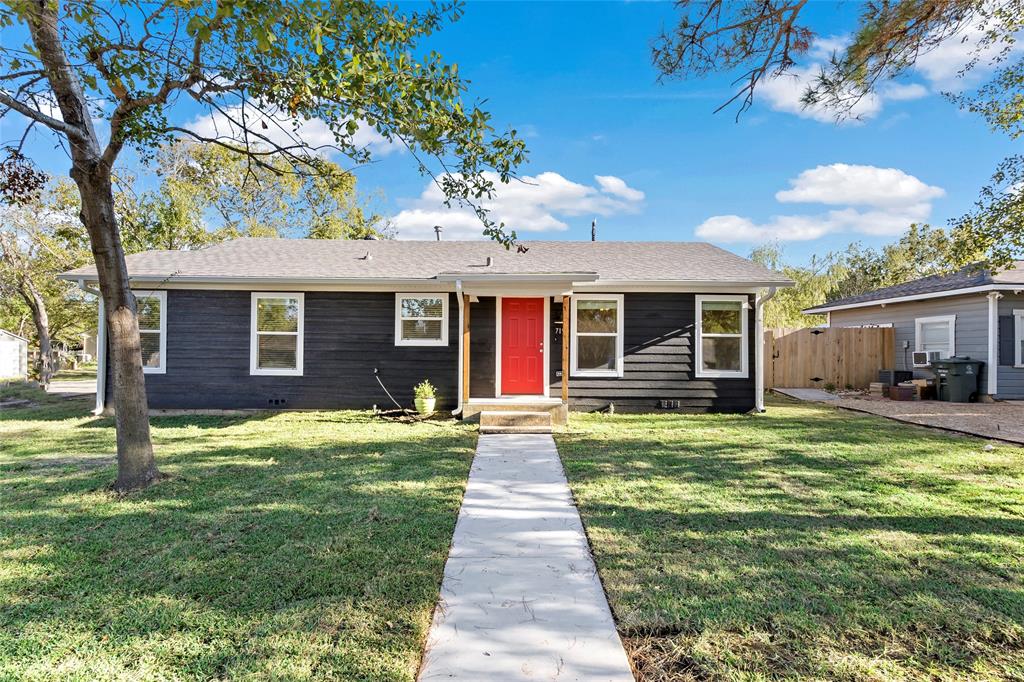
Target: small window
[
  {"x": 421, "y": 319},
  {"x": 152, "y": 311},
  {"x": 935, "y": 334},
  {"x": 1018, "y": 338},
  {"x": 276, "y": 336},
  {"x": 597, "y": 335},
  {"x": 721, "y": 343}
]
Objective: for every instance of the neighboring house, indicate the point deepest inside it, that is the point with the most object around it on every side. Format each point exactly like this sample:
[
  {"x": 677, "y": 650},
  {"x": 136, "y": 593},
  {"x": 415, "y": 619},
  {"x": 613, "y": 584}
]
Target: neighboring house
[
  {"x": 13, "y": 356},
  {"x": 88, "y": 346},
  {"x": 969, "y": 313},
  {"x": 288, "y": 323}
]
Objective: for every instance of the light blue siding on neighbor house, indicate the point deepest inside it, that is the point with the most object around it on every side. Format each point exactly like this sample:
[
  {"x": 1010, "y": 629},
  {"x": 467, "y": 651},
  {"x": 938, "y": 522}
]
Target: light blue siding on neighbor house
[
  {"x": 971, "y": 335},
  {"x": 1011, "y": 379}
]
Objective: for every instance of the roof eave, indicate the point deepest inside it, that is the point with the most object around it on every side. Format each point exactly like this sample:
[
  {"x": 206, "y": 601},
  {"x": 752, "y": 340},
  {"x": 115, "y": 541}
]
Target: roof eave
[{"x": 910, "y": 298}]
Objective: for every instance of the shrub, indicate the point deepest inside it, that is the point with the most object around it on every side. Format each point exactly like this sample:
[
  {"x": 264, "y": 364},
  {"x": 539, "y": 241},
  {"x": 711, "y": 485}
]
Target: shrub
[{"x": 425, "y": 390}]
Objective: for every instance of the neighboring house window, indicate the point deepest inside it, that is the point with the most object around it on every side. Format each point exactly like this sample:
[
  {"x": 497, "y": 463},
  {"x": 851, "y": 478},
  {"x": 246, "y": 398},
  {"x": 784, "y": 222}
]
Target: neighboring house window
[
  {"x": 935, "y": 334},
  {"x": 421, "y": 319},
  {"x": 152, "y": 310},
  {"x": 1018, "y": 338},
  {"x": 721, "y": 346},
  {"x": 276, "y": 334},
  {"x": 597, "y": 335}
]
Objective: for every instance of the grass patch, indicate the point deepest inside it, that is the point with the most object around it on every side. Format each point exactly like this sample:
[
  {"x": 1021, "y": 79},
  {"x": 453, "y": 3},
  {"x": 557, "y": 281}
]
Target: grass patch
[
  {"x": 804, "y": 543},
  {"x": 19, "y": 389},
  {"x": 85, "y": 372},
  {"x": 295, "y": 546}
]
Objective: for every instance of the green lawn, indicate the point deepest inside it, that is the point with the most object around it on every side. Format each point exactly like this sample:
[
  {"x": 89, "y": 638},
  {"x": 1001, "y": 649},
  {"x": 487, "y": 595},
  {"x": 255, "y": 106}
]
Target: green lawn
[
  {"x": 85, "y": 372},
  {"x": 804, "y": 543},
  {"x": 292, "y": 546}
]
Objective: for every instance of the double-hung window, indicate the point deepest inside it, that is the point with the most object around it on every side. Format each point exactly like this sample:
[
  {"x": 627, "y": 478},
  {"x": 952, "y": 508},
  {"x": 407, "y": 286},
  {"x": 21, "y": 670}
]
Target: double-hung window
[
  {"x": 152, "y": 311},
  {"x": 935, "y": 334},
  {"x": 1018, "y": 338},
  {"x": 276, "y": 334},
  {"x": 721, "y": 344},
  {"x": 597, "y": 335},
  {"x": 421, "y": 319}
]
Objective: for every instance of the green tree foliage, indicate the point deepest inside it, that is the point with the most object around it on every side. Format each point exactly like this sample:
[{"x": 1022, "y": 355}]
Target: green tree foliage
[
  {"x": 765, "y": 39},
  {"x": 240, "y": 198},
  {"x": 812, "y": 284},
  {"x": 40, "y": 238},
  {"x": 263, "y": 67},
  {"x": 921, "y": 251}
]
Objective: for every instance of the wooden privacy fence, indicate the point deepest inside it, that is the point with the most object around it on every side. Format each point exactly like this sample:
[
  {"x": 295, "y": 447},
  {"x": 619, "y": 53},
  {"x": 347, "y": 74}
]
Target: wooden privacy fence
[{"x": 814, "y": 358}]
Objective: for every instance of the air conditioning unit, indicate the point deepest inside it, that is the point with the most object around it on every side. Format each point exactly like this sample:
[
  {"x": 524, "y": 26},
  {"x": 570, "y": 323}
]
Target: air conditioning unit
[{"x": 923, "y": 358}]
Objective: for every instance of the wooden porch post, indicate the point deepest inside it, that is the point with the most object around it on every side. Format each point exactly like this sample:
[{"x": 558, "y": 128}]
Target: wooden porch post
[
  {"x": 565, "y": 349},
  {"x": 465, "y": 348}
]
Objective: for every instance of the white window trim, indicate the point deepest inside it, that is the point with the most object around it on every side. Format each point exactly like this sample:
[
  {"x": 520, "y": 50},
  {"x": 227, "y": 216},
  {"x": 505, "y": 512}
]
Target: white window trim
[
  {"x": 1018, "y": 337},
  {"x": 443, "y": 341},
  {"x": 620, "y": 316},
  {"x": 949, "y": 319},
  {"x": 255, "y": 370},
  {"x": 744, "y": 371},
  {"x": 162, "y": 297}
]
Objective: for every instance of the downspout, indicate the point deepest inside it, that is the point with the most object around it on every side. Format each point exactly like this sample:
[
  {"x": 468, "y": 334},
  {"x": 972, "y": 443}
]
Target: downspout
[
  {"x": 992, "y": 367},
  {"x": 101, "y": 349},
  {"x": 759, "y": 347},
  {"x": 462, "y": 304}
]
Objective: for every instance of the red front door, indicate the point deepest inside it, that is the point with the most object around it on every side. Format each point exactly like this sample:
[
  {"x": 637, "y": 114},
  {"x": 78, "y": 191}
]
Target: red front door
[{"x": 522, "y": 346}]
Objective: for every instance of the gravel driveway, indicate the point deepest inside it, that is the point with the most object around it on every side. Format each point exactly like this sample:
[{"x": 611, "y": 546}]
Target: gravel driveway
[{"x": 1002, "y": 420}]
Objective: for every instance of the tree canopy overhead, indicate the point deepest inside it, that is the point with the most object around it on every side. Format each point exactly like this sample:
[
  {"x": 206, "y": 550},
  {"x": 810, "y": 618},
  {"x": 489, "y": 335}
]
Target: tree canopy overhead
[
  {"x": 262, "y": 68},
  {"x": 759, "y": 40}
]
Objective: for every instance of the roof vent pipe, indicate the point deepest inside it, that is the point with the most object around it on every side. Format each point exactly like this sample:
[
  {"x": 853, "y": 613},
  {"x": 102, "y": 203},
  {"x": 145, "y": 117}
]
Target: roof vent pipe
[
  {"x": 437, "y": 231},
  {"x": 490, "y": 261},
  {"x": 593, "y": 230}
]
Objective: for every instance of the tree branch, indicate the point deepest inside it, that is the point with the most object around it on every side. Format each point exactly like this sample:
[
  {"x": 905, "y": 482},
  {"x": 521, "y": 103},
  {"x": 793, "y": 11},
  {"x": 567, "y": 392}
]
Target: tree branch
[{"x": 54, "y": 124}]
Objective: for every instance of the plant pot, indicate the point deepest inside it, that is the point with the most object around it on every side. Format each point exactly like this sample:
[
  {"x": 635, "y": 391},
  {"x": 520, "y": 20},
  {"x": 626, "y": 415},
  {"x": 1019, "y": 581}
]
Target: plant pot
[{"x": 425, "y": 405}]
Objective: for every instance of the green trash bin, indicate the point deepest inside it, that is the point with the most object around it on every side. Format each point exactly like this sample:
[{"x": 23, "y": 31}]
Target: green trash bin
[{"x": 957, "y": 378}]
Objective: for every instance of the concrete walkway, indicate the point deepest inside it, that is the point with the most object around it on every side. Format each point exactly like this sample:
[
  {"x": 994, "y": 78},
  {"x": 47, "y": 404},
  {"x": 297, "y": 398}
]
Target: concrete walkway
[
  {"x": 521, "y": 599},
  {"x": 808, "y": 394}
]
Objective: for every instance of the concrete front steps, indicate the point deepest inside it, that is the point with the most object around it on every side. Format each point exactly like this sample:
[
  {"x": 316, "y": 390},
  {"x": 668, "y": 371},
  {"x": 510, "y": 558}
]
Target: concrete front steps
[{"x": 514, "y": 421}]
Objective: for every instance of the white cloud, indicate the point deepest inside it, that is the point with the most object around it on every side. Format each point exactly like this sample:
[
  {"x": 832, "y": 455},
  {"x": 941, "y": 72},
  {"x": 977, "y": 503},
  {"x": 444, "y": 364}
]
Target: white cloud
[
  {"x": 942, "y": 65},
  {"x": 876, "y": 201},
  {"x": 784, "y": 93},
  {"x": 532, "y": 204},
  {"x": 618, "y": 187},
  {"x": 845, "y": 184},
  {"x": 283, "y": 130},
  {"x": 902, "y": 92}
]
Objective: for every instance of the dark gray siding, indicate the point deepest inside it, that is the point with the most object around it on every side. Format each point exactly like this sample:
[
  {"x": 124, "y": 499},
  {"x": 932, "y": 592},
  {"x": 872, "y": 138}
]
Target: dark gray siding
[
  {"x": 481, "y": 347},
  {"x": 658, "y": 362},
  {"x": 347, "y": 335}
]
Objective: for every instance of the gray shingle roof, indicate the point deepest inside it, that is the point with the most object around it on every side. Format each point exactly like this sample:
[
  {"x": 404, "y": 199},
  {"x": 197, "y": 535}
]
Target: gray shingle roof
[
  {"x": 312, "y": 259},
  {"x": 962, "y": 279}
]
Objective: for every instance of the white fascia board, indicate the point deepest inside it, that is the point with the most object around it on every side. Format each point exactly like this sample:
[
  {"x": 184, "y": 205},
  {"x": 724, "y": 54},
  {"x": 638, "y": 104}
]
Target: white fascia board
[
  {"x": 519, "y": 277},
  {"x": 914, "y": 297}
]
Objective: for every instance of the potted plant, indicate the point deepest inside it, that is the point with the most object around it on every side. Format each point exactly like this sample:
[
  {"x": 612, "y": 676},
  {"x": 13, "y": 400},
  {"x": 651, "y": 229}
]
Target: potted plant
[{"x": 425, "y": 397}]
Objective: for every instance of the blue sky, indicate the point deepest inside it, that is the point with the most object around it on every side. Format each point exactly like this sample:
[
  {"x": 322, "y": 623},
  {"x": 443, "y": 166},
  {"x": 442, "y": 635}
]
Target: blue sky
[{"x": 653, "y": 162}]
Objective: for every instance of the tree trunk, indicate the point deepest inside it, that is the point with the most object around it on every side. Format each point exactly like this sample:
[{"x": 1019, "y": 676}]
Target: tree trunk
[
  {"x": 42, "y": 322},
  {"x": 135, "y": 465},
  {"x": 92, "y": 174}
]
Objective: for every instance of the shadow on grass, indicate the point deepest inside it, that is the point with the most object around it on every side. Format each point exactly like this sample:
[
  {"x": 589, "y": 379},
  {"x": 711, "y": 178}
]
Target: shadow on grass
[
  {"x": 312, "y": 548},
  {"x": 807, "y": 543}
]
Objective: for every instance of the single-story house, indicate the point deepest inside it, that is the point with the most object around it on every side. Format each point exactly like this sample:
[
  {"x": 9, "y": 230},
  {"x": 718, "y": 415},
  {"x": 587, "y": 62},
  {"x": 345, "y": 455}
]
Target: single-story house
[
  {"x": 13, "y": 356},
  {"x": 970, "y": 313},
  {"x": 293, "y": 323}
]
